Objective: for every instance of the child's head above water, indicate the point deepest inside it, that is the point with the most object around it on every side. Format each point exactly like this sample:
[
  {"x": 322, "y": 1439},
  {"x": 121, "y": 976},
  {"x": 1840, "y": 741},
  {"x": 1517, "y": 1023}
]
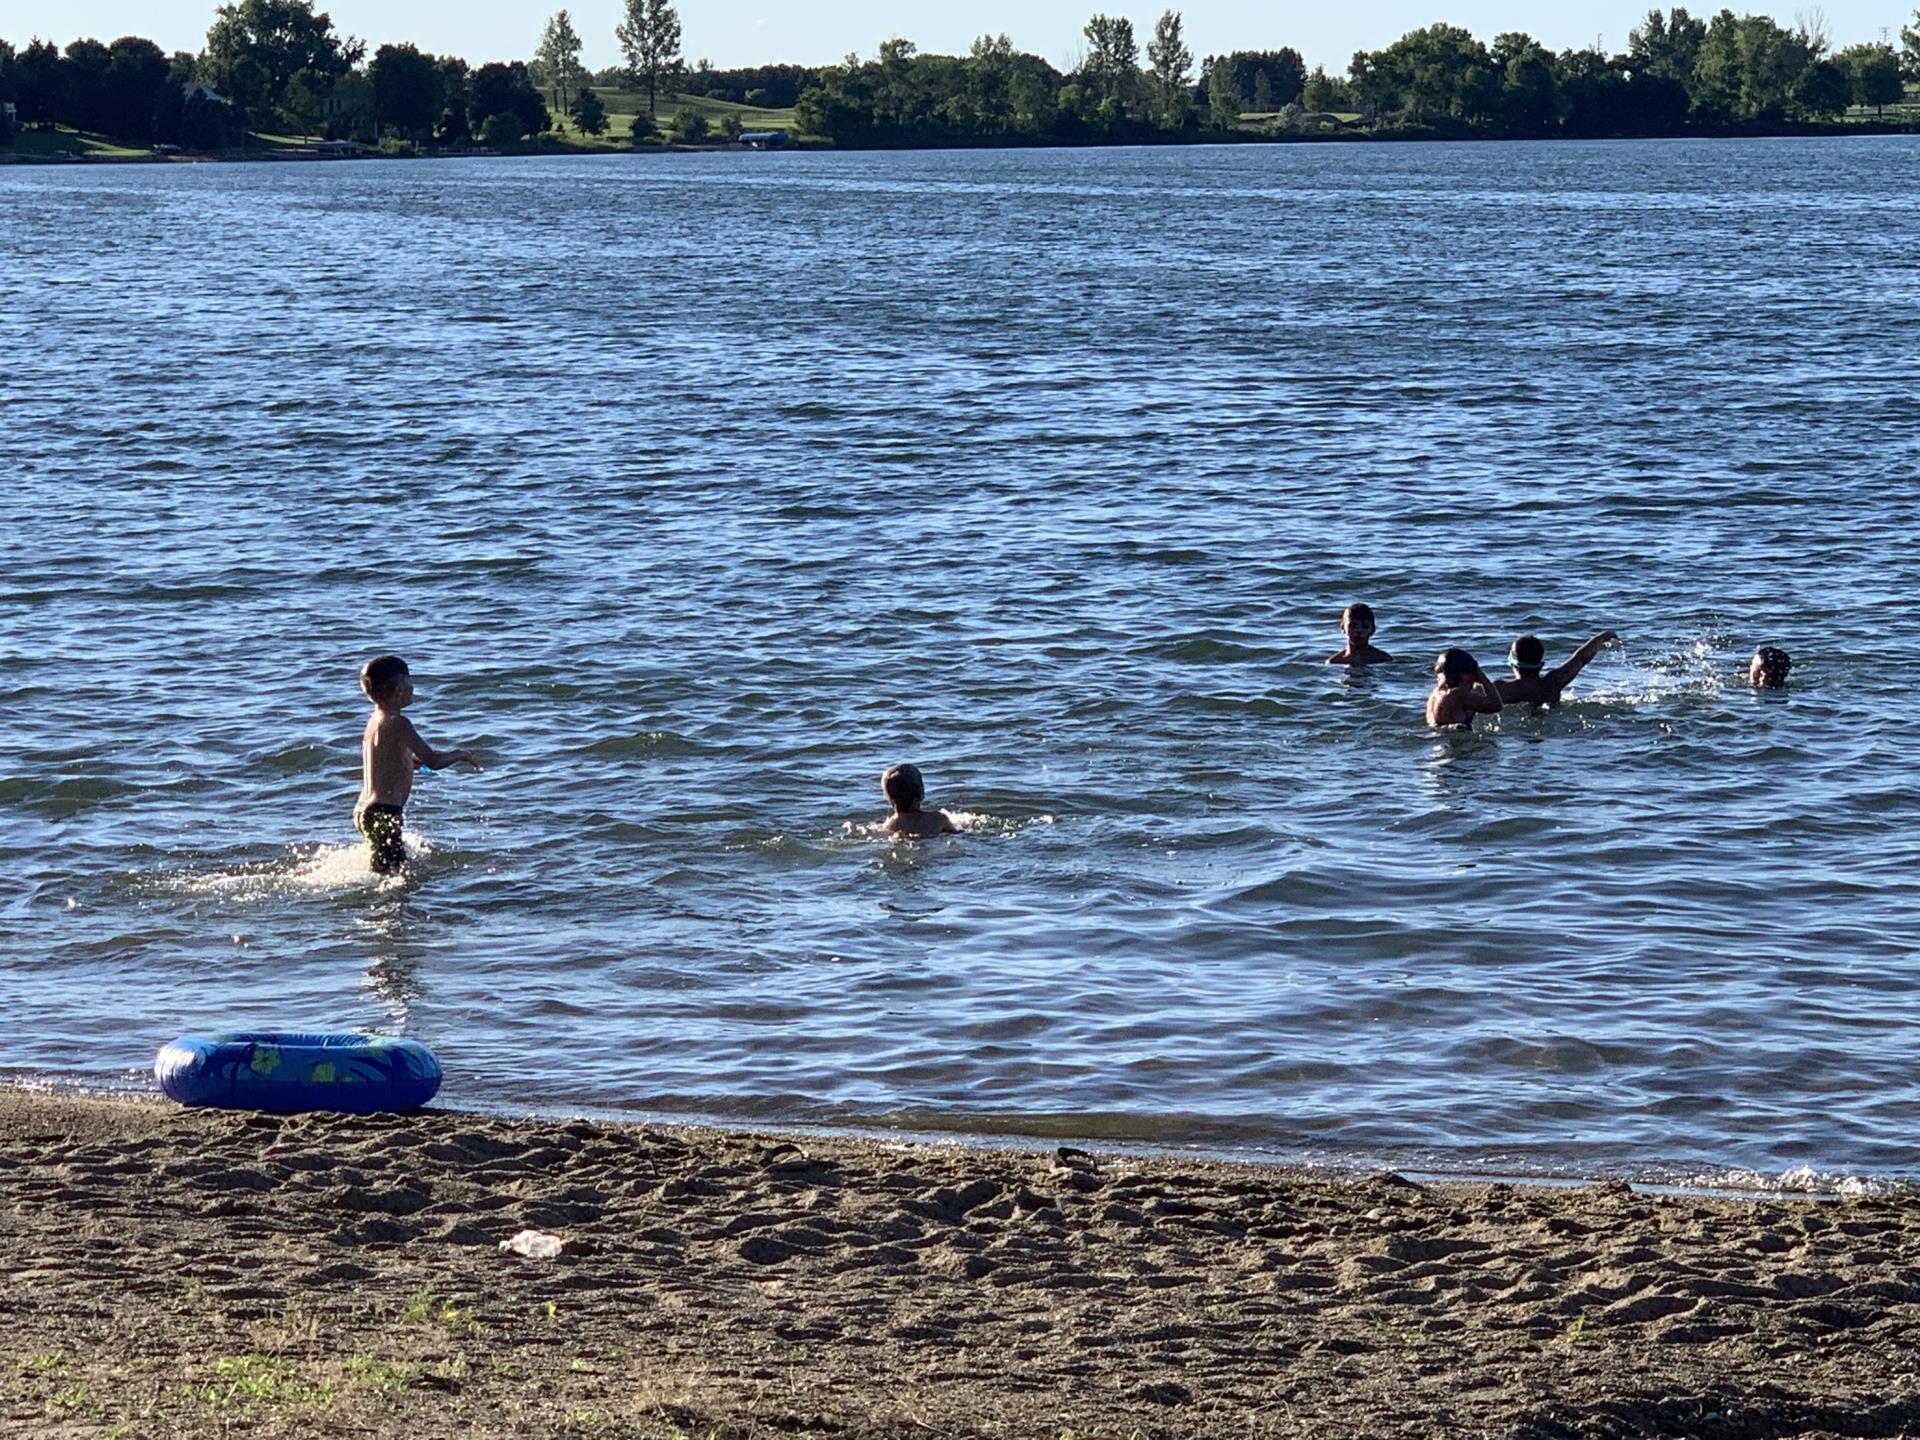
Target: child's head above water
[
  {"x": 1769, "y": 668},
  {"x": 1527, "y": 655},
  {"x": 1455, "y": 667},
  {"x": 1357, "y": 623},
  {"x": 383, "y": 678},
  {"x": 904, "y": 787}
]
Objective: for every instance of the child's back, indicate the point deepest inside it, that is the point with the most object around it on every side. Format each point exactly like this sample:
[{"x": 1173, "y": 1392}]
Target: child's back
[
  {"x": 1460, "y": 692},
  {"x": 1530, "y": 685},
  {"x": 905, "y": 791}
]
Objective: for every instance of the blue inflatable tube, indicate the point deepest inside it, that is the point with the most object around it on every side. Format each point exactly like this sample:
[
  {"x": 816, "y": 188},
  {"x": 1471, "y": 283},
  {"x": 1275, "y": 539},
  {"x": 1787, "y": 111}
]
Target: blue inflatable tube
[{"x": 288, "y": 1073}]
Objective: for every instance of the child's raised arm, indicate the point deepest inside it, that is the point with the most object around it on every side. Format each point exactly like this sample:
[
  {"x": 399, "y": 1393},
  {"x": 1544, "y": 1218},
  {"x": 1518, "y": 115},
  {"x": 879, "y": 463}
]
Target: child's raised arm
[
  {"x": 1562, "y": 675},
  {"x": 431, "y": 758},
  {"x": 1482, "y": 697}
]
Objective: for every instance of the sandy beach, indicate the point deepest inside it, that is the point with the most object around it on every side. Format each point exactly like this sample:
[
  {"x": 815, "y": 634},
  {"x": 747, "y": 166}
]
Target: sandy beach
[{"x": 165, "y": 1272}]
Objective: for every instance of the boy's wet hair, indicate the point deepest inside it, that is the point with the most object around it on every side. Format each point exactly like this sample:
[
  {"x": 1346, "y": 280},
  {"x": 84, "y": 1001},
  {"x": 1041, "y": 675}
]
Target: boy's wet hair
[
  {"x": 1773, "y": 662},
  {"x": 1360, "y": 613},
  {"x": 904, "y": 786},
  {"x": 1527, "y": 653},
  {"x": 380, "y": 674},
  {"x": 1453, "y": 663}
]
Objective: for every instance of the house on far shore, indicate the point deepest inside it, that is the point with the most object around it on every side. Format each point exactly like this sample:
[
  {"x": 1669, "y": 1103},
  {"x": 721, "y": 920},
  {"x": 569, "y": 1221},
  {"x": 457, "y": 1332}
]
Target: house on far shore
[
  {"x": 764, "y": 139},
  {"x": 197, "y": 90}
]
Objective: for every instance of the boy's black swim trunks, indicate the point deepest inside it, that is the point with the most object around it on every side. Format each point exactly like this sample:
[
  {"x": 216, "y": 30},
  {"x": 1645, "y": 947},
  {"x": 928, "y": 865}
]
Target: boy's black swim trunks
[{"x": 384, "y": 828}]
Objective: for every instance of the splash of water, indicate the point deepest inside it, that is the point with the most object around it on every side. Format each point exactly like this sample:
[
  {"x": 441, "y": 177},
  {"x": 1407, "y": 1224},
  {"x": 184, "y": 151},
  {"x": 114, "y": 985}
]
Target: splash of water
[{"x": 308, "y": 870}]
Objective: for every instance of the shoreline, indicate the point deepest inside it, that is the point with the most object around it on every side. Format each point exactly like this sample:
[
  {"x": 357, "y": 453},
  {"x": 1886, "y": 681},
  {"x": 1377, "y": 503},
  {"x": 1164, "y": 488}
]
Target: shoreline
[
  {"x": 170, "y": 1272},
  {"x": 1703, "y": 1181},
  {"x": 1856, "y": 130}
]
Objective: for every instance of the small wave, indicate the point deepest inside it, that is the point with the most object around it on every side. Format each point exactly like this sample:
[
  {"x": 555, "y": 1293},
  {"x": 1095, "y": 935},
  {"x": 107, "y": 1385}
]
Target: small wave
[
  {"x": 1802, "y": 1180},
  {"x": 650, "y": 742},
  {"x": 968, "y": 822},
  {"x": 161, "y": 592},
  {"x": 1205, "y": 649},
  {"x": 301, "y": 757}
]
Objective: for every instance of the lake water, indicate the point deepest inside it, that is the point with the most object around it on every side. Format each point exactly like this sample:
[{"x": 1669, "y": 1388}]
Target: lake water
[{"x": 697, "y": 489}]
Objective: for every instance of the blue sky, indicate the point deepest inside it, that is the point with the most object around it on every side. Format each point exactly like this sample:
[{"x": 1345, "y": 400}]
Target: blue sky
[{"x": 743, "y": 32}]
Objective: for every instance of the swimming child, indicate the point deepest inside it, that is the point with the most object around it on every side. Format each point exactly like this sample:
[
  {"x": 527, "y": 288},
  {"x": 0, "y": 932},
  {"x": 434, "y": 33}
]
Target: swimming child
[
  {"x": 1528, "y": 686},
  {"x": 390, "y": 751},
  {"x": 1769, "y": 667},
  {"x": 1356, "y": 623},
  {"x": 1460, "y": 692},
  {"x": 905, "y": 790}
]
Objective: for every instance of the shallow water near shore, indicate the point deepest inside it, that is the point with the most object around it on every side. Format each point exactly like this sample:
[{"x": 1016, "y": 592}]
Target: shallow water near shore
[{"x": 698, "y": 489}]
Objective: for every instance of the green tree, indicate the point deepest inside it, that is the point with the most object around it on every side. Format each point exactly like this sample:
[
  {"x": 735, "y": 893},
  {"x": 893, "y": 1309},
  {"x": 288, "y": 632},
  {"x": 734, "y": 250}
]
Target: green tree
[
  {"x": 559, "y": 58},
  {"x": 497, "y": 89},
  {"x": 503, "y": 127},
  {"x": 37, "y": 83},
  {"x": 1666, "y": 45},
  {"x": 455, "y": 84},
  {"x": 1284, "y": 70},
  {"x": 589, "y": 112},
  {"x": 407, "y": 95},
  {"x": 690, "y": 126},
  {"x": 643, "y": 129},
  {"x": 1223, "y": 97},
  {"x": 1441, "y": 70},
  {"x": 1172, "y": 64},
  {"x": 255, "y": 47},
  {"x": 1529, "y": 89},
  {"x": 1033, "y": 95},
  {"x": 1873, "y": 75},
  {"x": 989, "y": 83},
  {"x": 1747, "y": 68},
  {"x": 1323, "y": 92},
  {"x": 894, "y": 94},
  {"x": 1110, "y": 74},
  {"x": 650, "y": 39},
  {"x": 136, "y": 98},
  {"x": 303, "y": 103},
  {"x": 1910, "y": 48},
  {"x": 1823, "y": 90},
  {"x": 86, "y": 89},
  {"x": 9, "y": 91}
]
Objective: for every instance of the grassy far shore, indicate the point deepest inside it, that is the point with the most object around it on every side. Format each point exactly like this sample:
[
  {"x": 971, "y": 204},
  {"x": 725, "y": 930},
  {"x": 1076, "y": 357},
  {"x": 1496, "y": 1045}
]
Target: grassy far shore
[
  {"x": 623, "y": 105},
  {"x": 65, "y": 143},
  {"x": 167, "y": 1272}
]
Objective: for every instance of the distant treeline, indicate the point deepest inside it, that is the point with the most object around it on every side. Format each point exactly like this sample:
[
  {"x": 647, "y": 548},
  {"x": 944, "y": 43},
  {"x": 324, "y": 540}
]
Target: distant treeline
[
  {"x": 280, "y": 65},
  {"x": 1680, "y": 74},
  {"x": 268, "y": 65}
]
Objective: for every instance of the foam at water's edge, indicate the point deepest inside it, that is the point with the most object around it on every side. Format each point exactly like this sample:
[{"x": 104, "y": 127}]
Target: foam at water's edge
[{"x": 1430, "y": 1169}]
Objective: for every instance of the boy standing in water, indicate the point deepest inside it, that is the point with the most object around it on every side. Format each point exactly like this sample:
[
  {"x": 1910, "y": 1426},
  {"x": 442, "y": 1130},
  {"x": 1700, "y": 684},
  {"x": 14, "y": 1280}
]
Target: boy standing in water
[
  {"x": 1528, "y": 686},
  {"x": 390, "y": 751},
  {"x": 1460, "y": 692},
  {"x": 1356, "y": 623},
  {"x": 905, "y": 790}
]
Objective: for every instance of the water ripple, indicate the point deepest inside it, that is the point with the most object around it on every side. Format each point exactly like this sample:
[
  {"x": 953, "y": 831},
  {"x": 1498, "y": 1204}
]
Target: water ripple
[{"x": 1051, "y": 472}]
